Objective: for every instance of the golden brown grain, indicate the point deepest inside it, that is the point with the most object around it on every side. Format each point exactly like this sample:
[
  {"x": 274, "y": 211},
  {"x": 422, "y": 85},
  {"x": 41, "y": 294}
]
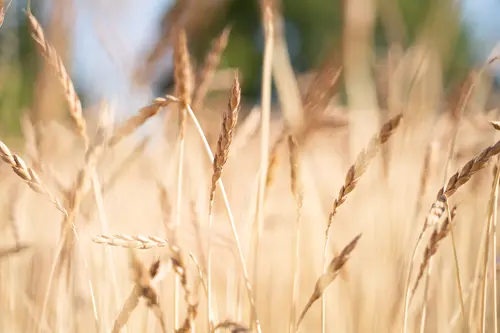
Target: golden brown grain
[
  {"x": 131, "y": 241},
  {"x": 229, "y": 120},
  {"x": 183, "y": 73},
  {"x": 144, "y": 279},
  {"x": 329, "y": 276},
  {"x": 27, "y": 174},
  {"x": 134, "y": 122},
  {"x": 437, "y": 236},
  {"x": 53, "y": 59}
]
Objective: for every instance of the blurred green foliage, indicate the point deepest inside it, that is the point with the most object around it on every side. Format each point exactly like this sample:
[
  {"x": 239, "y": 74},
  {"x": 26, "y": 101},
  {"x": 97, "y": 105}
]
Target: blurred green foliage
[{"x": 318, "y": 25}]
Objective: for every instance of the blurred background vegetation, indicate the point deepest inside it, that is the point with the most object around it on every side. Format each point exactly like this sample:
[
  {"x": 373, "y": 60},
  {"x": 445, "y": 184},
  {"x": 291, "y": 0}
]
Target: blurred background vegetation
[{"x": 314, "y": 31}]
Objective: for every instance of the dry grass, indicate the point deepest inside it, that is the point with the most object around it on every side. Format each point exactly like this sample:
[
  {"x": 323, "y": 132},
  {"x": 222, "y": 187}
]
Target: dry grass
[{"x": 252, "y": 216}]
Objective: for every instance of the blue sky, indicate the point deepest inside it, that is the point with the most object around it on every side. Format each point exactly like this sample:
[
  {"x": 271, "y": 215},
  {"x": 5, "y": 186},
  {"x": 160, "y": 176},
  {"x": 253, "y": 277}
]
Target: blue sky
[{"x": 108, "y": 47}]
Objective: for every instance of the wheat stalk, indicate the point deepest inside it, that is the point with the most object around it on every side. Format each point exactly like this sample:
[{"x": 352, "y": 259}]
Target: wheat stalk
[
  {"x": 134, "y": 122},
  {"x": 351, "y": 181},
  {"x": 131, "y": 241},
  {"x": 268, "y": 25},
  {"x": 438, "y": 208},
  {"x": 232, "y": 325},
  {"x": 183, "y": 77},
  {"x": 239, "y": 250},
  {"x": 298, "y": 194},
  {"x": 329, "y": 276},
  {"x": 439, "y": 233},
  {"x": 144, "y": 279},
  {"x": 491, "y": 225},
  {"x": 27, "y": 174},
  {"x": 226, "y": 136},
  {"x": 180, "y": 269},
  {"x": 229, "y": 120},
  {"x": 53, "y": 59},
  {"x": 209, "y": 67}
]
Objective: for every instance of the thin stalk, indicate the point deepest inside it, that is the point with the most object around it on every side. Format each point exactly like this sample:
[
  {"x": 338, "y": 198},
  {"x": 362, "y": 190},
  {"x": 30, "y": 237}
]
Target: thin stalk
[
  {"x": 220, "y": 186},
  {"x": 264, "y": 139},
  {"x": 491, "y": 215},
  {"x": 457, "y": 267},
  {"x": 426, "y": 293},
  {"x": 103, "y": 220},
  {"x": 298, "y": 194},
  {"x": 178, "y": 207}
]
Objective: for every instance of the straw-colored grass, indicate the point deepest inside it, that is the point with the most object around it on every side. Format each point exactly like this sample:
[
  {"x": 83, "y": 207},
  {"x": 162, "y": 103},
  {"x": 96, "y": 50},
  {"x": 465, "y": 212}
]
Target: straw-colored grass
[{"x": 236, "y": 236}]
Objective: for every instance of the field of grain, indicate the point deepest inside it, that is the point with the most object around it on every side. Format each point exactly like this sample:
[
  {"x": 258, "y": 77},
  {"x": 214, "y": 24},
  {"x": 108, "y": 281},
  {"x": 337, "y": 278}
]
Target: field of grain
[{"x": 315, "y": 217}]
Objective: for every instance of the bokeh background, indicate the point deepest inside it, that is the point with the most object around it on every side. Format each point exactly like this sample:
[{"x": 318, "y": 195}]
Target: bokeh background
[{"x": 106, "y": 44}]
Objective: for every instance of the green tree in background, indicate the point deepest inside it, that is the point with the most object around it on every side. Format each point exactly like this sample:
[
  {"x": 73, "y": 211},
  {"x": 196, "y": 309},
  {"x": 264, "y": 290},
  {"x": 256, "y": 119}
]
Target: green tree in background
[{"x": 313, "y": 28}]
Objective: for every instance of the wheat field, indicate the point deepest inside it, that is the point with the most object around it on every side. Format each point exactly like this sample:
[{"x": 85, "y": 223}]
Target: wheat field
[{"x": 300, "y": 216}]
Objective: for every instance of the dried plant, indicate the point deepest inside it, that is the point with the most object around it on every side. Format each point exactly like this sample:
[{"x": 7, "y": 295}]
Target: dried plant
[
  {"x": 490, "y": 238},
  {"x": 4, "y": 252},
  {"x": 183, "y": 76},
  {"x": 468, "y": 170},
  {"x": 226, "y": 136},
  {"x": 321, "y": 89},
  {"x": 437, "y": 236},
  {"x": 351, "y": 180},
  {"x": 329, "y": 276},
  {"x": 232, "y": 224},
  {"x": 27, "y": 174},
  {"x": 53, "y": 59},
  {"x": 131, "y": 241},
  {"x": 80, "y": 188},
  {"x": 209, "y": 67},
  {"x": 273, "y": 160},
  {"x": 229, "y": 120},
  {"x": 360, "y": 166},
  {"x": 430, "y": 154},
  {"x": 232, "y": 325},
  {"x": 298, "y": 194},
  {"x": 180, "y": 269},
  {"x": 438, "y": 208},
  {"x": 183, "y": 73},
  {"x": 134, "y": 122},
  {"x": 145, "y": 280}
]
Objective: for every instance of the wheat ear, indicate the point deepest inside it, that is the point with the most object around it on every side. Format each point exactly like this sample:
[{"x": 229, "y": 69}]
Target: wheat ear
[
  {"x": 209, "y": 67},
  {"x": 134, "y": 122},
  {"x": 27, "y": 174},
  {"x": 226, "y": 136},
  {"x": 183, "y": 76},
  {"x": 351, "y": 181},
  {"x": 439, "y": 233},
  {"x": 298, "y": 194},
  {"x": 144, "y": 279},
  {"x": 438, "y": 208},
  {"x": 329, "y": 276},
  {"x": 53, "y": 59},
  {"x": 238, "y": 249},
  {"x": 131, "y": 241}
]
